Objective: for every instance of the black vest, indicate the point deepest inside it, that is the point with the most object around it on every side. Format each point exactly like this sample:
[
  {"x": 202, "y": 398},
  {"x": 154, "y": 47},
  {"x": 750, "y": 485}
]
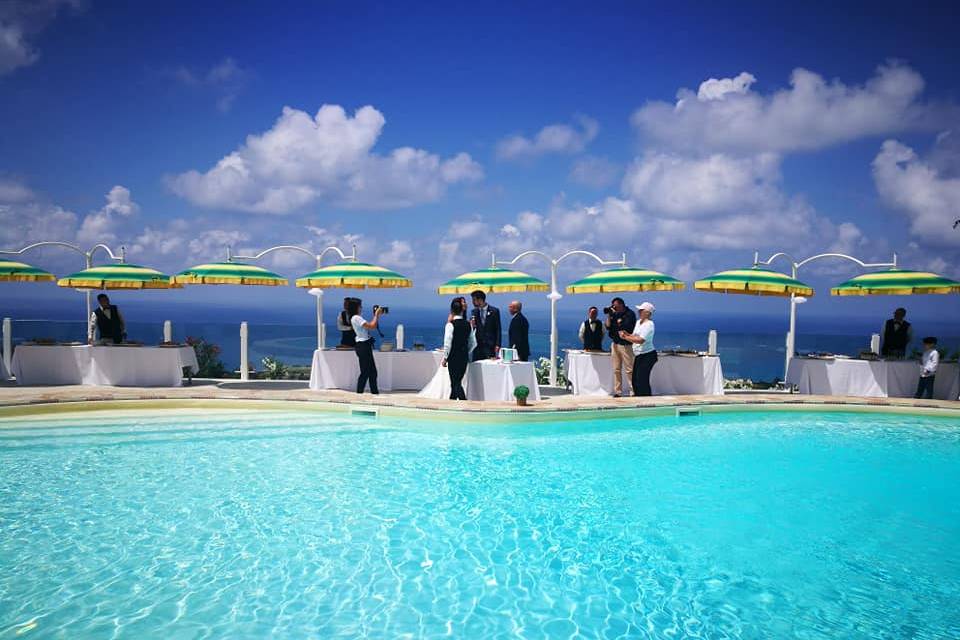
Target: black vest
[
  {"x": 460, "y": 345},
  {"x": 593, "y": 335},
  {"x": 895, "y": 339},
  {"x": 110, "y": 328},
  {"x": 348, "y": 338}
]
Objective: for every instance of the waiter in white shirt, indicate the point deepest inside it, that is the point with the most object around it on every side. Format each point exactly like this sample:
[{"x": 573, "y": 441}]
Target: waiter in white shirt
[
  {"x": 364, "y": 348},
  {"x": 107, "y": 320}
]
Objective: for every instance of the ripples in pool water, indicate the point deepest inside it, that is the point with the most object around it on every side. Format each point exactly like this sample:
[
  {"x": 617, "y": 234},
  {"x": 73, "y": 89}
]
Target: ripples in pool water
[{"x": 255, "y": 524}]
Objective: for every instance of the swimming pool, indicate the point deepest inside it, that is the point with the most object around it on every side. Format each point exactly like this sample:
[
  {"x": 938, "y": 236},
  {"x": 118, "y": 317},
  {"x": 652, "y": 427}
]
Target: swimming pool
[{"x": 240, "y": 523}]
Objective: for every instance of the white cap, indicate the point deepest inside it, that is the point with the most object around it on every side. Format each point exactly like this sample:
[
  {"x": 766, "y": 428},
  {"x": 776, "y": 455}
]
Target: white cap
[{"x": 647, "y": 306}]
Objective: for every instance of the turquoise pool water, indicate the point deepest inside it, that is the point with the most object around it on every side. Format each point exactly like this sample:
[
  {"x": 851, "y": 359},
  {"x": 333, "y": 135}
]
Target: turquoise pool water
[{"x": 267, "y": 524}]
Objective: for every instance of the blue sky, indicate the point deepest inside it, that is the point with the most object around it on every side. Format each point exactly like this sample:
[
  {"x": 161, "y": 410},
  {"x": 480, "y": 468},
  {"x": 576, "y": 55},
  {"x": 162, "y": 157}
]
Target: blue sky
[{"x": 451, "y": 131}]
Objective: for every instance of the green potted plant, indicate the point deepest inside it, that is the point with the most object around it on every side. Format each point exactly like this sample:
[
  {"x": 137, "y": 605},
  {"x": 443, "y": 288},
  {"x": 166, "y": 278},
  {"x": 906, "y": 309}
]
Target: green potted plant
[{"x": 521, "y": 393}]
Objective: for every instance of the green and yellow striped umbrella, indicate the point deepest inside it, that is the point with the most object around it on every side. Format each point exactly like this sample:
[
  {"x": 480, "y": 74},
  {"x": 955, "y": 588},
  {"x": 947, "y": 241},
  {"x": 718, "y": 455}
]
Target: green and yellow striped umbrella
[
  {"x": 754, "y": 281},
  {"x": 896, "y": 282},
  {"x": 354, "y": 275},
  {"x": 230, "y": 273},
  {"x": 493, "y": 280},
  {"x": 117, "y": 276},
  {"x": 11, "y": 271},
  {"x": 625, "y": 279}
]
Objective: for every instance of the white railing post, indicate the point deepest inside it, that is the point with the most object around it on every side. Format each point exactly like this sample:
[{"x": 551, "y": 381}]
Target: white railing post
[
  {"x": 875, "y": 343},
  {"x": 712, "y": 342},
  {"x": 399, "y": 337},
  {"x": 244, "y": 372},
  {"x": 167, "y": 331},
  {"x": 7, "y": 343}
]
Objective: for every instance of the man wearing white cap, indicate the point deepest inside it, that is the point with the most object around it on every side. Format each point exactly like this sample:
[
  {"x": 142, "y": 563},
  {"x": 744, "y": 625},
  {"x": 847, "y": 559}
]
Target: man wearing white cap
[{"x": 644, "y": 353}]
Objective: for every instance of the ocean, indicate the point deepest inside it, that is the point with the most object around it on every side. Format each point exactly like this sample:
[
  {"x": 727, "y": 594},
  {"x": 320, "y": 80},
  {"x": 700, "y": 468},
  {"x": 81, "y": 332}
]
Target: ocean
[{"x": 749, "y": 347}]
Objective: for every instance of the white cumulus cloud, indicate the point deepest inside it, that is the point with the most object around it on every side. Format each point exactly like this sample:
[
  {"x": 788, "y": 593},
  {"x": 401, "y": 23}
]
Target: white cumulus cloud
[
  {"x": 554, "y": 138},
  {"x": 726, "y": 115},
  {"x": 929, "y": 199},
  {"x": 327, "y": 157},
  {"x": 690, "y": 187}
]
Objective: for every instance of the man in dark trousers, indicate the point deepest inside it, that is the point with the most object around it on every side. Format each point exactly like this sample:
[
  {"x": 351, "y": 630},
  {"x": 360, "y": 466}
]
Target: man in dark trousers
[
  {"x": 518, "y": 334},
  {"x": 897, "y": 334},
  {"x": 107, "y": 320},
  {"x": 486, "y": 321}
]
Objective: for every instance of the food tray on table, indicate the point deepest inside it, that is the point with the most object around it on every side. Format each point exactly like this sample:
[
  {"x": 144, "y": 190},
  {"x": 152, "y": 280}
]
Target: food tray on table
[{"x": 683, "y": 353}]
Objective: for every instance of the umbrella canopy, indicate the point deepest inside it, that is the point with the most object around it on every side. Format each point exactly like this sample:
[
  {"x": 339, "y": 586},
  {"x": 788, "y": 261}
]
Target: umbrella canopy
[
  {"x": 899, "y": 282},
  {"x": 493, "y": 280},
  {"x": 754, "y": 281},
  {"x": 230, "y": 273},
  {"x": 625, "y": 279},
  {"x": 117, "y": 276},
  {"x": 11, "y": 271},
  {"x": 354, "y": 275}
]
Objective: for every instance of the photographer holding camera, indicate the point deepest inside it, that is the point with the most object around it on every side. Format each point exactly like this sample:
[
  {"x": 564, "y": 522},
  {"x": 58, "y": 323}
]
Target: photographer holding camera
[
  {"x": 620, "y": 318},
  {"x": 364, "y": 348}
]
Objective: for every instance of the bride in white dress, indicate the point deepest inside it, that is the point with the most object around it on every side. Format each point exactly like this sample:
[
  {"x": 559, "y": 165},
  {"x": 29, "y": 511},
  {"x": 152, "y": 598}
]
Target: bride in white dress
[{"x": 439, "y": 386}]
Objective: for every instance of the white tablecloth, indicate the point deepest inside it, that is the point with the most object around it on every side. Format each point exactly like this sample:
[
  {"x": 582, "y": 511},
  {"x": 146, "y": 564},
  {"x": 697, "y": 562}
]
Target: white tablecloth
[
  {"x": 102, "y": 366},
  {"x": 494, "y": 380},
  {"x": 396, "y": 370},
  {"x": 869, "y": 378},
  {"x": 591, "y": 374}
]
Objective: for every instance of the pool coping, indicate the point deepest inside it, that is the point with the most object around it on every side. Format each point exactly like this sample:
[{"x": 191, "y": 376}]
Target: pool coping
[{"x": 26, "y": 401}]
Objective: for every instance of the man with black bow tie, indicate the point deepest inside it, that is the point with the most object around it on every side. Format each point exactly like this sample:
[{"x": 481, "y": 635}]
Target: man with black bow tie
[{"x": 486, "y": 320}]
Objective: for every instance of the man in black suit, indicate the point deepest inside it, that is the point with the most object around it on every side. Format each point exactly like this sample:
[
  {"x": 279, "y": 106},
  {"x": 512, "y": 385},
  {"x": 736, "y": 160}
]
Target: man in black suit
[
  {"x": 486, "y": 320},
  {"x": 519, "y": 332}
]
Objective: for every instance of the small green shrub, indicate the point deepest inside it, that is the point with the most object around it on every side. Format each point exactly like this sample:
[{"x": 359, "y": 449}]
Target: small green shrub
[
  {"x": 521, "y": 392},
  {"x": 208, "y": 358}
]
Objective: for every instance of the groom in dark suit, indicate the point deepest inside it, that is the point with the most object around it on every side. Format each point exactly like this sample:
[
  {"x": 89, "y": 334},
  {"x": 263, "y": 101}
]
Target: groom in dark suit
[
  {"x": 486, "y": 320},
  {"x": 519, "y": 333}
]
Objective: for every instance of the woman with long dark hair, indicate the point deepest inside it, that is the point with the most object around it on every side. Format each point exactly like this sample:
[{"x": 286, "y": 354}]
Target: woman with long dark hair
[
  {"x": 458, "y": 341},
  {"x": 364, "y": 346}
]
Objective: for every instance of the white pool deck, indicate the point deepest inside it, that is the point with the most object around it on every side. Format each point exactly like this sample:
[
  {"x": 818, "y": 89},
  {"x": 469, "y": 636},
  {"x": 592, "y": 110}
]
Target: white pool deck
[{"x": 552, "y": 401}]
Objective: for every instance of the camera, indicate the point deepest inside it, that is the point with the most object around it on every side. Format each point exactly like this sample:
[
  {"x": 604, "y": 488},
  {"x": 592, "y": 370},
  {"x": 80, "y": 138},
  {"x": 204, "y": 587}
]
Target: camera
[
  {"x": 383, "y": 310},
  {"x": 608, "y": 310}
]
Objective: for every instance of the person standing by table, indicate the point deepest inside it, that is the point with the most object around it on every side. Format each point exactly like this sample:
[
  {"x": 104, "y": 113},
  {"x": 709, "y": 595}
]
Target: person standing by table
[
  {"x": 591, "y": 331},
  {"x": 929, "y": 363},
  {"x": 645, "y": 354},
  {"x": 108, "y": 320},
  {"x": 486, "y": 322},
  {"x": 459, "y": 340},
  {"x": 896, "y": 335},
  {"x": 364, "y": 346},
  {"x": 620, "y": 319},
  {"x": 348, "y": 337},
  {"x": 518, "y": 334}
]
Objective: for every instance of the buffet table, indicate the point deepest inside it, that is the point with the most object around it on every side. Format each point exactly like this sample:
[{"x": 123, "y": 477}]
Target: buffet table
[
  {"x": 591, "y": 374},
  {"x": 113, "y": 366},
  {"x": 396, "y": 370},
  {"x": 869, "y": 378}
]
